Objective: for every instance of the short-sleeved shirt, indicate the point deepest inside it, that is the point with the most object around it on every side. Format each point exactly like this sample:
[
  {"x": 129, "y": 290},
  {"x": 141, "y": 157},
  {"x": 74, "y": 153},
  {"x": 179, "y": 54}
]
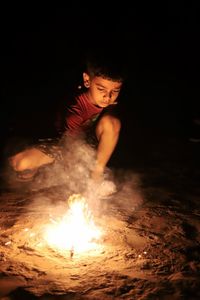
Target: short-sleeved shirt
[
  {"x": 80, "y": 114},
  {"x": 76, "y": 116}
]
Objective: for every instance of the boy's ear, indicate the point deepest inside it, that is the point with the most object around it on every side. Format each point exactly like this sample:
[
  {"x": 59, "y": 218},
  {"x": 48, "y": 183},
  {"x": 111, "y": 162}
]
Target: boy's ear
[{"x": 86, "y": 80}]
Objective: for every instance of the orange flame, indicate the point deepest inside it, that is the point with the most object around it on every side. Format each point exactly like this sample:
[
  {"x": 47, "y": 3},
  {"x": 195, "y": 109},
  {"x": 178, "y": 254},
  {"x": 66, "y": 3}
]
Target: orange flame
[{"x": 76, "y": 230}]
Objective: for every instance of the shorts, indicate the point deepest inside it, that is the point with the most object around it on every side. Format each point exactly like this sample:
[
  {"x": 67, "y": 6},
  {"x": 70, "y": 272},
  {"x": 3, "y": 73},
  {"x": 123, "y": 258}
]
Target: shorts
[
  {"x": 55, "y": 147},
  {"x": 50, "y": 147}
]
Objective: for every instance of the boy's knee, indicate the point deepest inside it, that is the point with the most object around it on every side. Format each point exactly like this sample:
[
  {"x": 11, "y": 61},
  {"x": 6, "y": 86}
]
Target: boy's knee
[
  {"x": 19, "y": 163},
  {"x": 110, "y": 124}
]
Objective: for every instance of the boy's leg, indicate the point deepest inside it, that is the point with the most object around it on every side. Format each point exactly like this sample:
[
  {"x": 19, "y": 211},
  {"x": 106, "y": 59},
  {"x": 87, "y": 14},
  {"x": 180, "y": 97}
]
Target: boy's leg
[{"x": 28, "y": 161}]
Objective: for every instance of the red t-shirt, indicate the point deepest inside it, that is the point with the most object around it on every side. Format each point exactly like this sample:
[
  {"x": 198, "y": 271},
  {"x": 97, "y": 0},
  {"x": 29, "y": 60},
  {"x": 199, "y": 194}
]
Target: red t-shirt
[{"x": 80, "y": 113}]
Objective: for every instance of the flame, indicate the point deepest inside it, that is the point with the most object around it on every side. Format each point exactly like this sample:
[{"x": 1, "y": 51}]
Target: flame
[{"x": 76, "y": 231}]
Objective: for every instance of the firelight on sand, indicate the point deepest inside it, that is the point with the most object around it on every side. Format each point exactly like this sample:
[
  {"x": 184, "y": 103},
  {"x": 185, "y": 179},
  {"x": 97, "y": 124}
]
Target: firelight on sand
[{"x": 76, "y": 230}]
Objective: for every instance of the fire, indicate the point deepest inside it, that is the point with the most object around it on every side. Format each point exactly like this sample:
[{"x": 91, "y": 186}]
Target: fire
[{"x": 76, "y": 230}]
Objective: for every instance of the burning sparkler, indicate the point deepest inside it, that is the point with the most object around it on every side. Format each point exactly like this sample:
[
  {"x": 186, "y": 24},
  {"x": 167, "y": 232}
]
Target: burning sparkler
[{"x": 76, "y": 231}]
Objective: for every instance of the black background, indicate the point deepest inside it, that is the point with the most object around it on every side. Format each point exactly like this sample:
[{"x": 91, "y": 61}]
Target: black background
[{"x": 41, "y": 50}]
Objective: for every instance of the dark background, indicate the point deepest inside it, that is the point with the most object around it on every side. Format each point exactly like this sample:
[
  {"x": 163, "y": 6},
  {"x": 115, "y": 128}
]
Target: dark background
[{"x": 41, "y": 51}]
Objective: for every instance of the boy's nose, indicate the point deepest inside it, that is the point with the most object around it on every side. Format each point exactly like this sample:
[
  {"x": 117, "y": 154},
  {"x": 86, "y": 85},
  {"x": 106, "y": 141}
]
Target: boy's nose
[{"x": 107, "y": 96}]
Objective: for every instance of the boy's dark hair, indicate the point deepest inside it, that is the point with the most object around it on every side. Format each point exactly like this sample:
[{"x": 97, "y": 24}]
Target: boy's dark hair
[{"x": 109, "y": 65}]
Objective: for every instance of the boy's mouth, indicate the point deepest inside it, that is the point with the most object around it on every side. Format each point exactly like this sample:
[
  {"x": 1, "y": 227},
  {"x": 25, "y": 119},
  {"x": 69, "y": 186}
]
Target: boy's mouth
[{"x": 104, "y": 104}]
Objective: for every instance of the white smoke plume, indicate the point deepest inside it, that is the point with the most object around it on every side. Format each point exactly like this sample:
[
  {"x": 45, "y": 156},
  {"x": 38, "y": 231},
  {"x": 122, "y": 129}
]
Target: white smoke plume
[{"x": 60, "y": 180}]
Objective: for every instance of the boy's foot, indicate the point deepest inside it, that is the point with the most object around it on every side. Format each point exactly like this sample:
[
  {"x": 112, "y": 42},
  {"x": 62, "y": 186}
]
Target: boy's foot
[
  {"x": 26, "y": 175},
  {"x": 15, "y": 181}
]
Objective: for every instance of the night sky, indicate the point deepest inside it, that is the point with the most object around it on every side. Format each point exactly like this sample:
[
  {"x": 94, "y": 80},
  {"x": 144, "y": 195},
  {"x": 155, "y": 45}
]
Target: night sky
[{"x": 42, "y": 46}]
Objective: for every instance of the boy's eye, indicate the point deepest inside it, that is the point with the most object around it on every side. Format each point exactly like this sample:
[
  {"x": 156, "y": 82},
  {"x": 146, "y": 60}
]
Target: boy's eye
[{"x": 113, "y": 92}]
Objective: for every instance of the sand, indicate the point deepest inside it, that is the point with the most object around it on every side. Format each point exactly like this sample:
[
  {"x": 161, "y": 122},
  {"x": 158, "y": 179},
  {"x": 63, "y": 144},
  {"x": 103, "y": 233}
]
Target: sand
[{"x": 150, "y": 243}]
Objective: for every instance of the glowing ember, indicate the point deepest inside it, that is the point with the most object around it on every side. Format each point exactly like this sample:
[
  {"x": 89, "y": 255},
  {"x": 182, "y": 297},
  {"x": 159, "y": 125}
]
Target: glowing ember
[{"x": 76, "y": 231}]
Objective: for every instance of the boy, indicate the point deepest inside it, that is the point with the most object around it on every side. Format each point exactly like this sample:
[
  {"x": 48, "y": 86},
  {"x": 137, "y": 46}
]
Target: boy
[{"x": 91, "y": 106}]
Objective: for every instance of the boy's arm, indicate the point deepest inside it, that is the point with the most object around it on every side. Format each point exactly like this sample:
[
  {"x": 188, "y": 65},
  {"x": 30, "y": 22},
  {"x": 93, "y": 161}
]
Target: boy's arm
[{"x": 108, "y": 135}]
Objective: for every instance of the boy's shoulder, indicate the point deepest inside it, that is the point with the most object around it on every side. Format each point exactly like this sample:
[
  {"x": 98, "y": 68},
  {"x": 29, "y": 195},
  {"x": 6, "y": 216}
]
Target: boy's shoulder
[{"x": 73, "y": 95}]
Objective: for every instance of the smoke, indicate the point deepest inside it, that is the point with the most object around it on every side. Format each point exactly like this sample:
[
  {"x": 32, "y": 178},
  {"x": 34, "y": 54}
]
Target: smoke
[
  {"x": 120, "y": 188},
  {"x": 73, "y": 172},
  {"x": 130, "y": 195},
  {"x": 58, "y": 181},
  {"x": 119, "y": 194}
]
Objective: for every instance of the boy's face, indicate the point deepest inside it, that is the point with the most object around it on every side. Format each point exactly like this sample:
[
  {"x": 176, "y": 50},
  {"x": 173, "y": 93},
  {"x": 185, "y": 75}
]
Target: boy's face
[{"x": 102, "y": 92}]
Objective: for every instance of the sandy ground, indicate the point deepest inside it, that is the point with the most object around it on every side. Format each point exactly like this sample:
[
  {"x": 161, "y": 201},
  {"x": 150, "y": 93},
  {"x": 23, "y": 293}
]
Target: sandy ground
[{"x": 150, "y": 243}]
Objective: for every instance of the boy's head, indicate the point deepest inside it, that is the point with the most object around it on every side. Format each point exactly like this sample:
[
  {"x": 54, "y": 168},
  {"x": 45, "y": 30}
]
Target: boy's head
[
  {"x": 103, "y": 77},
  {"x": 106, "y": 64}
]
